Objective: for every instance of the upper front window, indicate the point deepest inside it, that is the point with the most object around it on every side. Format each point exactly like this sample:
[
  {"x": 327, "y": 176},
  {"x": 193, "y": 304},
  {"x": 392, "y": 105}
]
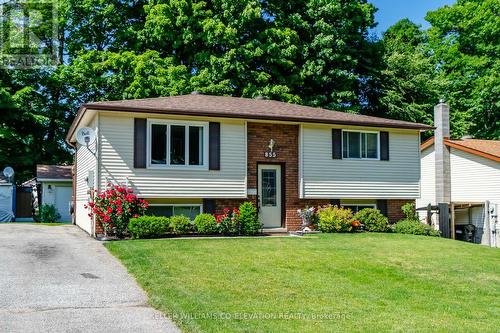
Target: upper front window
[
  {"x": 177, "y": 144},
  {"x": 362, "y": 145}
]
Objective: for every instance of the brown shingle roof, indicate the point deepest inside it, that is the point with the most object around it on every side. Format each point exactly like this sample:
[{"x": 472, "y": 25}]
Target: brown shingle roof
[
  {"x": 53, "y": 171},
  {"x": 486, "y": 148},
  {"x": 238, "y": 107}
]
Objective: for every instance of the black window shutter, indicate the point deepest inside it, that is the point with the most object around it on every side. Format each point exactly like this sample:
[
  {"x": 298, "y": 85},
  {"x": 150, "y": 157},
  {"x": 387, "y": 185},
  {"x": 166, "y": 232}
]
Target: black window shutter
[
  {"x": 214, "y": 146},
  {"x": 336, "y": 144},
  {"x": 209, "y": 206},
  {"x": 139, "y": 143},
  {"x": 384, "y": 146},
  {"x": 335, "y": 202},
  {"x": 382, "y": 206}
]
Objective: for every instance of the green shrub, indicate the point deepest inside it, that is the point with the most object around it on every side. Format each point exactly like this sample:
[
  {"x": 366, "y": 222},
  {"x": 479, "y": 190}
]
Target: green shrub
[
  {"x": 148, "y": 226},
  {"x": 372, "y": 220},
  {"x": 335, "y": 219},
  {"x": 229, "y": 221},
  {"x": 181, "y": 224},
  {"x": 414, "y": 227},
  {"x": 206, "y": 225},
  {"x": 410, "y": 211},
  {"x": 47, "y": 213},
  {"x": 249, "y": 220}
]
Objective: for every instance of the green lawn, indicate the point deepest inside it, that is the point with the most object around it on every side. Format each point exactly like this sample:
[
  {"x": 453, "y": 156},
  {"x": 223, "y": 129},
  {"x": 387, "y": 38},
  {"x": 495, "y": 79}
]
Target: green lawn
[{"x": 357, "y": 282}]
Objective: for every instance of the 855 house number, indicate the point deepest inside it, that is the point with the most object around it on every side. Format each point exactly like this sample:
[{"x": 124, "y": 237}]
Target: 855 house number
[{"x": 270, "y": 154}]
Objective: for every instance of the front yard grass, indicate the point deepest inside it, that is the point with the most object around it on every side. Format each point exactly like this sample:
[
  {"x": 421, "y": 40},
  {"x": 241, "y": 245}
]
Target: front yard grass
[{"x": 356, "y": 282}]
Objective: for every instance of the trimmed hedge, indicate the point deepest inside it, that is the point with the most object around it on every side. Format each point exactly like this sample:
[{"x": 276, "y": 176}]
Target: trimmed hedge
[
  {"x": 335, "y": 219},
  {"x": 206, "y": 225},
  {"x": 372, "y": 220},
  {"x": 181, "y": 224},
  {"x": 148, "y": 226},
  {"x": 414, "y": 227}
]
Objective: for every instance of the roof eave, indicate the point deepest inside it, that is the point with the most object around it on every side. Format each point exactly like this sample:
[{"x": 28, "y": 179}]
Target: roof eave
[{"x": 429, "y": 142}]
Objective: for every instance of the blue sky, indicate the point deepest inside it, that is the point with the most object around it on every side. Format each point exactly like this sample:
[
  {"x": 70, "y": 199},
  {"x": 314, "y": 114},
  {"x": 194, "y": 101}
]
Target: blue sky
[{"x": 391, "y": 11}]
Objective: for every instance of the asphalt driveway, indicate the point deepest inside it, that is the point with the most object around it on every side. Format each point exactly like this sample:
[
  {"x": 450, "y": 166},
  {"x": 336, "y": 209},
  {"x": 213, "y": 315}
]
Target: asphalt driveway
[{"x": 57, "y": 279}]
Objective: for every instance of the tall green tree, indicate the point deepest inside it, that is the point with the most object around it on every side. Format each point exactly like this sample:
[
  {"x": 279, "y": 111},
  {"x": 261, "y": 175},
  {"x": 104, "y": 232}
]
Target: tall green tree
[
  {"x": 409, "y": 84},
  {"x": 465, "y": 40},
  {"x": 303, "y": 51}
]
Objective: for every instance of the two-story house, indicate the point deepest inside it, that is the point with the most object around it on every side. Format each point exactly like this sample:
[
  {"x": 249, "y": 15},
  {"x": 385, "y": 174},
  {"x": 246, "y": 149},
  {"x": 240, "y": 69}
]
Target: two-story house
[{"x": 199, "y": 153}]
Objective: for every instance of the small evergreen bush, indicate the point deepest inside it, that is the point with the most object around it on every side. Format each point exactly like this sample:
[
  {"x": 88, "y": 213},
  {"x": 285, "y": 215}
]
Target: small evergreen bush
[
  {"x": 148, "y": 226},
  {"x": 48, "y": 213},
  {"x": 205, "y": 224},
  {"x": 372, "y": 220},
  {"x": 181, "y": 224},
  {"x": 249, "y": 220},
  {"x": 410, "y": 211},
  {"x": 335, "y": 219}
]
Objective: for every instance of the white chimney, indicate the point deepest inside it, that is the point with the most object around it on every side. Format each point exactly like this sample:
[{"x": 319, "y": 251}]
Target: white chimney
[{"x": 442, "y": 152}]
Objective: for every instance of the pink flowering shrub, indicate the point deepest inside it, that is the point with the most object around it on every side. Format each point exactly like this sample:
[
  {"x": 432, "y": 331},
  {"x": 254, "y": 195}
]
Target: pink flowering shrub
[
  {"x": 114, "y": 207},
  {"x": 229, "y": 221}
]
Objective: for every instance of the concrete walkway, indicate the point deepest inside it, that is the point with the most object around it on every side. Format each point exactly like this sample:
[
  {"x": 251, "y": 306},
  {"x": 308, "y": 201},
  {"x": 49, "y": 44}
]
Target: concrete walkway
[{"x": 57, "y": 279}]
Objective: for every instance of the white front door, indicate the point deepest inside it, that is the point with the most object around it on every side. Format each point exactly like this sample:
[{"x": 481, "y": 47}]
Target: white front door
[{"x": 270, "y": 195}]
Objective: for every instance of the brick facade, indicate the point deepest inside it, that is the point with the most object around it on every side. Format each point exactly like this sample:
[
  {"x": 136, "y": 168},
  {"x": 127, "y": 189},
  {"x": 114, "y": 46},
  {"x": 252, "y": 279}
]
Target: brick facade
[
  {"x": 287, "y": 141},
  {"x": 394, "y": 212}
]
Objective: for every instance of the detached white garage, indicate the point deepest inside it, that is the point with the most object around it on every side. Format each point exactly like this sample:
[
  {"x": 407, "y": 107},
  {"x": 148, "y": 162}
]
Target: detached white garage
[{"x": 55, "y": 187}]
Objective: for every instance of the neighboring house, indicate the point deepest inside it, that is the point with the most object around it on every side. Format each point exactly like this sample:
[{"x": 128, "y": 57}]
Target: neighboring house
[
  {"x": 465, "y": 174},
  {"x": 193, "y": 153},
  {"x": 6, "y": 199},
  {"x": 55, "y": 187}
]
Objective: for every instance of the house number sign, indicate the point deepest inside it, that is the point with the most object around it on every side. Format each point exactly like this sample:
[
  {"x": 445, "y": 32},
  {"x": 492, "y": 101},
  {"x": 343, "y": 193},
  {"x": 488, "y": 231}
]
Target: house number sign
[{"x": 270, "y": 153}]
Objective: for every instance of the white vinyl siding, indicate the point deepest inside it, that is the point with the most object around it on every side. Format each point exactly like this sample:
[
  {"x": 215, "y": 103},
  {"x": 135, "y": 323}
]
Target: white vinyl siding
[
  {"x": 324, "y": 177},
  {"x": 85, "y": 162},
  {"x": 428, "y": 179},
  {"x": 117, "y": 163},
  {"x": 474, "y": 178}
]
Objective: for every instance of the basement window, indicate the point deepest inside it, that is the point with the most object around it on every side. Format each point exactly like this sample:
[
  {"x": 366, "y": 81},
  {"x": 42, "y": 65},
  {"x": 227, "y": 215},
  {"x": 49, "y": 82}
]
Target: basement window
[
  {"x": 360, "y": 145},
  {"x": 357, "y": 207},
  {"x": 177, "y": 144},
  {"x": 189, "y": 210}
]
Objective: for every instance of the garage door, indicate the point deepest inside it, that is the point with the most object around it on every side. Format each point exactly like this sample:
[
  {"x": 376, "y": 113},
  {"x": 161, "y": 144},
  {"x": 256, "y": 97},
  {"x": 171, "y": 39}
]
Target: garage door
[{"x": 63, "y": 200}]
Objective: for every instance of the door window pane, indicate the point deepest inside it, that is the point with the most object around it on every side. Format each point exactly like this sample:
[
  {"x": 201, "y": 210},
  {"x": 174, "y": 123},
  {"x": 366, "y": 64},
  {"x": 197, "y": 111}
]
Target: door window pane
[
  {"x": 195, "y": 145},
  {"x": 268, "y": 187},
  {"x": 177, "y": 145},
  {"x": 158, "y": 144}
]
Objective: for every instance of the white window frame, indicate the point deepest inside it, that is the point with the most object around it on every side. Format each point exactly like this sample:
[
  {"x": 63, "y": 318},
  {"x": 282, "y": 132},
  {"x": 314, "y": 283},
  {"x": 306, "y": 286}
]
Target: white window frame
[
  {"x": 350, "y": 205},
  {"x": 178, "y": 205},
  {"x": 186, "y": 124},
  {"x": 361, "y": 146}
]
